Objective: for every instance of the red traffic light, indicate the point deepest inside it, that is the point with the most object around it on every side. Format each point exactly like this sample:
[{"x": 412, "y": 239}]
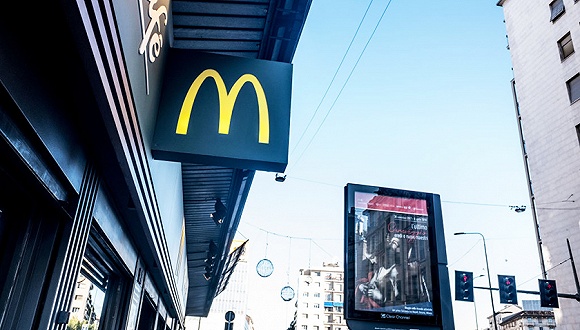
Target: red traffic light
[
  {"x": 548, "y": 293},
  {"x": 507, "y": 289},
  {"x": 463, "y": 286}
]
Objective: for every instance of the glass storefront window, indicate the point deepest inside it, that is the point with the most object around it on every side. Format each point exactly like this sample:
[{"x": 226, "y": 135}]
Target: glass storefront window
[{"x": 86, "y": 306}]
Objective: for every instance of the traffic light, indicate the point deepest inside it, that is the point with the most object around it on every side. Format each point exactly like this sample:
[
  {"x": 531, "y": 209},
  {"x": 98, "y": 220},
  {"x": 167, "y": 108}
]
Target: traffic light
[
  {"x": 463, "y": 285},
  {"x": 507, "y": 289},
  {"x": 548, "y": 293}
]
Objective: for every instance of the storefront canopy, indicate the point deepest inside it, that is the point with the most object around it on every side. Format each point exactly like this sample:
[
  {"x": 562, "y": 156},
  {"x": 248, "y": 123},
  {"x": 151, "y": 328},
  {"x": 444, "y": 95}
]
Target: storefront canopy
[{"x": 260, "y": 29}]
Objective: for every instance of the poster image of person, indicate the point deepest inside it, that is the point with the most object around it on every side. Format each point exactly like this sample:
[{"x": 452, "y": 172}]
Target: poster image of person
[{"x": 392, "y": 262}]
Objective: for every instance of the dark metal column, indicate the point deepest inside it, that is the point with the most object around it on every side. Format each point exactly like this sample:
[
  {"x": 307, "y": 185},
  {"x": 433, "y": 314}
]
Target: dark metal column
[{"x": 77, "y": 241}]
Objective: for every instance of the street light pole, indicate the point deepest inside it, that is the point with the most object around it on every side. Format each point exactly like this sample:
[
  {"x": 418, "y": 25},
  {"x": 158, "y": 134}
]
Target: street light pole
[
  {"x": 475, "y": 306},
  {"x": 488, "y": 275}
]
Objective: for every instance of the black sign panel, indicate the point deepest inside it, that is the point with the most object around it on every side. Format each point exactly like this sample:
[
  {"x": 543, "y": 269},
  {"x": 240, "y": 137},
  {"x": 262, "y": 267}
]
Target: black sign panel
[
  {"x": 395, "y": 265},
  {"x": 224, "y": 110}
]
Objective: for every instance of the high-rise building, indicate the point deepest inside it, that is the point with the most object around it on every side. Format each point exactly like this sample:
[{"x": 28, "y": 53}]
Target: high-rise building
[
  {"x": 233, "y": 299},
  {"x": 319, "y": 304},
  {"x": 86, "y": 303},
  {"x": 542, "y": 36}
]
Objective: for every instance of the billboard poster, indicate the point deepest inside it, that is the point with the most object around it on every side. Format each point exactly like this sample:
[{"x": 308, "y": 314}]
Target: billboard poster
[
  {"x": 392, "y": 262},
  {"x": 391, "y": 256}
]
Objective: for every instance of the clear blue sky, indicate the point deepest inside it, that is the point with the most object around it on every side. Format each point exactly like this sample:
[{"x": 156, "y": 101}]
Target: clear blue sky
[{"x": 428, "y": 108}]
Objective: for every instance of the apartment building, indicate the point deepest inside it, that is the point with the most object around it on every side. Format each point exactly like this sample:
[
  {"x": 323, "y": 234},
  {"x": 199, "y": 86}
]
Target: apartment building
[
  {"x": 319, "y": 304},
  {"x": 542, "y": 37},
  {"x": 529, "y": 316},
  {"x": 234, "y": 298}
]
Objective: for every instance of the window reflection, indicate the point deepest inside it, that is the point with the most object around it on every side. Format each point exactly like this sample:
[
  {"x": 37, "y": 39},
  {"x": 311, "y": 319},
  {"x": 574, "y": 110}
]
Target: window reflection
[{"x": 86, "y": 306}]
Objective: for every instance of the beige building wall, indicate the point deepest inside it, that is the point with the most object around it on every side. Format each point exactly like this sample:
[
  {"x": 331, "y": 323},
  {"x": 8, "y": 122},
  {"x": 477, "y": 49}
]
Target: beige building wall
[{"x": 550, "y": 126}]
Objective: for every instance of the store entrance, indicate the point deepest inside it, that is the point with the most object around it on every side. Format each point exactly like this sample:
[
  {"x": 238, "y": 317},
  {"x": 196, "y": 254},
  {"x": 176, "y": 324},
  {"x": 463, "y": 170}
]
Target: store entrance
[
  {"x": 13, "y": 222},
  {"x": 29, "y": 227},
  {"x": 28, "y": 239}
]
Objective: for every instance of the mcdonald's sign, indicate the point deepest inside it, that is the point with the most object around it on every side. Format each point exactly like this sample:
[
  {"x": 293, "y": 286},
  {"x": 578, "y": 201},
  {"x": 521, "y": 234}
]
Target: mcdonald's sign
[{"x": 225, "y": 111}]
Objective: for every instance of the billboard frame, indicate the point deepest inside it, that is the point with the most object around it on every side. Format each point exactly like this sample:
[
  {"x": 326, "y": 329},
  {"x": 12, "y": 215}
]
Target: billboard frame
[{"x": 441, "y": 314}]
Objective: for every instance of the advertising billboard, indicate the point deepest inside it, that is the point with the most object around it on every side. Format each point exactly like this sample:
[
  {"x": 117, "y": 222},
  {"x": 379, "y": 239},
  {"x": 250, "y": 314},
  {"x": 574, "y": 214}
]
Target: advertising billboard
[{"x": 392, "y": 257}]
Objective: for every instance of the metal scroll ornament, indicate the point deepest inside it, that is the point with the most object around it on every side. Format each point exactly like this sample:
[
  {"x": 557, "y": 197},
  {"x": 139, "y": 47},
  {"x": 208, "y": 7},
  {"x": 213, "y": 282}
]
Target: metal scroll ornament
[
  {"x": 264, "y": 268},
  {"x": 287, "y": 293}
]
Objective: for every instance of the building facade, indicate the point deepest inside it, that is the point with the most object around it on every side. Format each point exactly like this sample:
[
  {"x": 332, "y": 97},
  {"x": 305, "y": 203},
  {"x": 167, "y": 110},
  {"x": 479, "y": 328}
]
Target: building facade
[
  {"x": 80, "y": 191},
  {"x": 234, "y": 298},
  {"x": 86, "y": 303},
  {"x": 320, "y": 299},
  {"x": 529, "y": 320},
  {"x": 542, "y": 37},
  {"x": 529, "y": 316}
]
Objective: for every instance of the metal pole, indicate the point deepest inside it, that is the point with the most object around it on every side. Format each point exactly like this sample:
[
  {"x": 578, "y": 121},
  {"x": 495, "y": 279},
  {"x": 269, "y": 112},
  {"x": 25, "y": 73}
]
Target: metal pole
[
  {"x": 476, "y": 323},
  {"x": 573, "y": 267},
  {"x": 489, "y": 281},
  {"x": 529, "y": 182},
  {"x": 488, "y": 275},
  {"x": 475, "y": 307}
]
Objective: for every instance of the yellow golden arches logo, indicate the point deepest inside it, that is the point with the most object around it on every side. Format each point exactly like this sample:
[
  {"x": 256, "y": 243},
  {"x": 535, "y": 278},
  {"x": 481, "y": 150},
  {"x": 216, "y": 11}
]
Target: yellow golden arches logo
[{"x": 226, "y": 101}]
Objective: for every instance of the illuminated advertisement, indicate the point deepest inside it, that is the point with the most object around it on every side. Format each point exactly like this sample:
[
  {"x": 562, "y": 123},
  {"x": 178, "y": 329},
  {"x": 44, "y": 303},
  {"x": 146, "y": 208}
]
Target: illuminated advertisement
[
  {"x": 390, "y": 256},
  {"x": 224, "y": 110}
]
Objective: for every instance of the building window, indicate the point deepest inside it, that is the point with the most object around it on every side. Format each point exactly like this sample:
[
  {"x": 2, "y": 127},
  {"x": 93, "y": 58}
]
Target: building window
[
  {"x": 557, "y": 9},
  {"x": 305, "y": 316},
  {"x": 78, "y": 297},
  {"x": 317, "y": 295},
  {"x": 305, "y": 294},
  {"x": 315, "y": 327},
  {"x": 305, "y": 327},
  {"x": 75, "y": 309},
  {"x": 566, "y": 47},
  {"x": 316, "y": 305},
  {"x": 574, "y": 88}
]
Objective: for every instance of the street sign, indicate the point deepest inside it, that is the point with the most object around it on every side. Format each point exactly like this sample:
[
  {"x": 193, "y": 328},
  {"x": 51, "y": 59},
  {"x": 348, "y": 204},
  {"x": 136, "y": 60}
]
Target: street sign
[{"x": 230, "y": 316}]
